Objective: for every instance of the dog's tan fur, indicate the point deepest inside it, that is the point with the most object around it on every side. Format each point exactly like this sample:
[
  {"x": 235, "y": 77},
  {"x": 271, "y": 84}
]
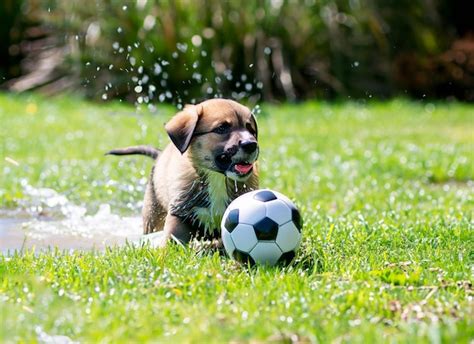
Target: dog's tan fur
[{"x": 186, "y": 196}]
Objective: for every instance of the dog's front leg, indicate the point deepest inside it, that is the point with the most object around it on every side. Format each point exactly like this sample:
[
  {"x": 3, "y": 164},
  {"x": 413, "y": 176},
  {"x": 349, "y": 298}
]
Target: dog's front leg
[{"x": 176, "y": 229}]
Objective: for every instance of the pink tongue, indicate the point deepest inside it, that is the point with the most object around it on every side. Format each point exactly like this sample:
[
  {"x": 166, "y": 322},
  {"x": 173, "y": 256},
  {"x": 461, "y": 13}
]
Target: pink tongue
[{"x": 243, "y": 169}]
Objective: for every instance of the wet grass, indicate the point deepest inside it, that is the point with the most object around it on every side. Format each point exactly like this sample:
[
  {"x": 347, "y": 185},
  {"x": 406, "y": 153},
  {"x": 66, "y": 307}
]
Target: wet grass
[{"x": 386, "y": 190}]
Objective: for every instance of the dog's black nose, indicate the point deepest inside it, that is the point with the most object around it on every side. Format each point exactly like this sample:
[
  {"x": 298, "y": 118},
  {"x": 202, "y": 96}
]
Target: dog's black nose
[{"x": 248, "y": 146}]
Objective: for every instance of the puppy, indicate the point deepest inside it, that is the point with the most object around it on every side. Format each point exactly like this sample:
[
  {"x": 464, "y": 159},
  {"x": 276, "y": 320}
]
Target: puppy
[{"x": 211, "y": 161}]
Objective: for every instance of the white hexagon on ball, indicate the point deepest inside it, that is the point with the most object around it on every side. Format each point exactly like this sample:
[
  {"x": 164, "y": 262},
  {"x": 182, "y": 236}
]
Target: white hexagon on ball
[
  {"x": 251, "y": 213},
  {"x": 278, "y": 211},
  {"x": 266, "y": 253},
  {"x": 243, "y": 237},
  {"x": 288, "y": 237}
]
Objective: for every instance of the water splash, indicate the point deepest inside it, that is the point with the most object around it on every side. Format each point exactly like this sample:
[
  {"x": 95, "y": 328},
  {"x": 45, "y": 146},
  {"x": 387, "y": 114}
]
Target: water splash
[
  {"x": 46, "y": 338},
  {"x": 49, "y": 219}
]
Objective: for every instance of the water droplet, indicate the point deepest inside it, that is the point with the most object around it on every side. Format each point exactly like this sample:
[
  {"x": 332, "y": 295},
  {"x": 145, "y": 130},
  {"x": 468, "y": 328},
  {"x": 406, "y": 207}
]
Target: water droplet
[
  {"x": 183, "y": 47},
  {"x": 196, "y": 76},
  {"x": 149, "y": 22},
  {"x": 157, "y": 69},
  {"x": 196, "y": 40}
]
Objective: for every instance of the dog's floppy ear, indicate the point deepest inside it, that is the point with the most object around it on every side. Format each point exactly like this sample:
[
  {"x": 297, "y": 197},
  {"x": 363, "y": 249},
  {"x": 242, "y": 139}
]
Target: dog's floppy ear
[
  {"x": 181, "y": 127},
  {"x": 254, "y": 119}
]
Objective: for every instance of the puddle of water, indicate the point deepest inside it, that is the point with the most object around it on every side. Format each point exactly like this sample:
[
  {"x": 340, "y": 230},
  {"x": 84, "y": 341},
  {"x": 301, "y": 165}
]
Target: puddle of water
[{"x": 50, "y": 220}]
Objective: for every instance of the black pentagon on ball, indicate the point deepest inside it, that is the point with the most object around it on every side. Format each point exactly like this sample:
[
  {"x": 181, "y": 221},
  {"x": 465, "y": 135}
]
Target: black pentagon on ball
[
  {"x": 286, "y": 258},
  {"x": 296, "y": 217},
  {"x": 266, "y": 229},
  {"x": 232, "y": 220},
  {"x": 264, "y": 196},
  {"x": 243, "y": 257}
]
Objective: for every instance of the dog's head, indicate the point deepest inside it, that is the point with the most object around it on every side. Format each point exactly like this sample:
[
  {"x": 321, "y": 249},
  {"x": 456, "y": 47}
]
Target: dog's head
[{"x": 218, "y": 135}]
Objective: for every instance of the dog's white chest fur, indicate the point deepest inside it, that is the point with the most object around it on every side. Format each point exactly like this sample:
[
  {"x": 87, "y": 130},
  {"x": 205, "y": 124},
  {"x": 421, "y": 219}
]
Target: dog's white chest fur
[{"x": 211, "y": 216}]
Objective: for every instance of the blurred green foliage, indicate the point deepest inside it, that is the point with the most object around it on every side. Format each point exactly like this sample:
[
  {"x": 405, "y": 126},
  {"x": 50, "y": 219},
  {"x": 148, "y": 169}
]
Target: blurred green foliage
[{"x": 182, "y": 51}]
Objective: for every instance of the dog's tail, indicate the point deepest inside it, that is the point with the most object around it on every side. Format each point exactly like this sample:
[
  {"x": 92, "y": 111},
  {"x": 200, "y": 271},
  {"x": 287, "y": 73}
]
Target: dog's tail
[{"x": 152, "y": 152}]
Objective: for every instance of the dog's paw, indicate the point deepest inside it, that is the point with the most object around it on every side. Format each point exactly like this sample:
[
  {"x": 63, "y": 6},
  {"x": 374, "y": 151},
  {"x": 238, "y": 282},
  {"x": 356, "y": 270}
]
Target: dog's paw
[{"x": 206, "y": 245}]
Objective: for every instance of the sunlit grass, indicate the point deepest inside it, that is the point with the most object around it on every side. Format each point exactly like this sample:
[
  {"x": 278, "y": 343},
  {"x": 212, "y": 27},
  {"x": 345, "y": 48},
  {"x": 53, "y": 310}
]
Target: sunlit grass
[{"x": 386, "y": 194}]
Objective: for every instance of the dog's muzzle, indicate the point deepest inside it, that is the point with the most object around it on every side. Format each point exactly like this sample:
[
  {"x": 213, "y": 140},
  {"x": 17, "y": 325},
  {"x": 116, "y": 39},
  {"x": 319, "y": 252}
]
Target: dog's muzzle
[{"x": 237, "y": 163}]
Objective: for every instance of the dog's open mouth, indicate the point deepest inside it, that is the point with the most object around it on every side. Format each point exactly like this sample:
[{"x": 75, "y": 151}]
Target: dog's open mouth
[{"x": 241, "y": 168}]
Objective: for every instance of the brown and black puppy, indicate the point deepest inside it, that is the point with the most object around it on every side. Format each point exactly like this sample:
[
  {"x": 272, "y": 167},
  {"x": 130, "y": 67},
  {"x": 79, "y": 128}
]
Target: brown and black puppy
[{"x": 210, "y": 162}]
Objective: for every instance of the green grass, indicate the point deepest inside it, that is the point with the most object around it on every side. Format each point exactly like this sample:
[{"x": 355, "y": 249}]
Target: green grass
[{"x": 386, "y": 192}]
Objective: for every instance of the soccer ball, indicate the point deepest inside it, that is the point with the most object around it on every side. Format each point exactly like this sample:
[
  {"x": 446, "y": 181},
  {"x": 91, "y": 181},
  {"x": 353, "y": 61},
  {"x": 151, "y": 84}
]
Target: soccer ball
[{"x": 263, "y": 227}]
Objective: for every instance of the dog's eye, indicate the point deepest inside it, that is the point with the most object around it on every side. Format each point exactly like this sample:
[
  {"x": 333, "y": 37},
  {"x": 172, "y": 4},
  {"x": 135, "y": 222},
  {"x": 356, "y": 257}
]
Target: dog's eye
[{"x": 224, "y": 128}]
